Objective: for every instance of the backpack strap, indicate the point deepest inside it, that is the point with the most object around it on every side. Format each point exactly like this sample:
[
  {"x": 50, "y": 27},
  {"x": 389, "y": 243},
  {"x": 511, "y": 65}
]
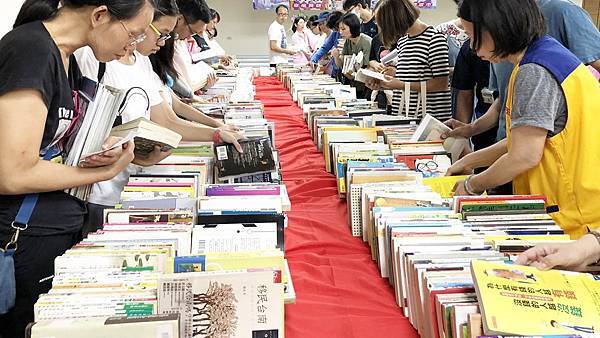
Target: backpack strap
[{"x": 101, "y": 71}]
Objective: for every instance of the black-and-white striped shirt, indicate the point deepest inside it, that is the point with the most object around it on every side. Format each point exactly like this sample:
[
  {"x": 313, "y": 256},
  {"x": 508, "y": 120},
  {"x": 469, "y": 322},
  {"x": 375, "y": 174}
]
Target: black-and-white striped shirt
[{"x": 422, "y": 58}]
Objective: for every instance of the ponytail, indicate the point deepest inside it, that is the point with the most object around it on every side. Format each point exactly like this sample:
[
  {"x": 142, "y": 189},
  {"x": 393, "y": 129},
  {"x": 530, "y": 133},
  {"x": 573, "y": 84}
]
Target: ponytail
[{"x": 35, "y": 10}]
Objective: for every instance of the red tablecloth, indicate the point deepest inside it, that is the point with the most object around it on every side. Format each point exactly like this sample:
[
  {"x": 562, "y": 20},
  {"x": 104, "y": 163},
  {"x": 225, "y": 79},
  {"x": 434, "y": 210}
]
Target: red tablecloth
[{"x": 339, "y": 290}]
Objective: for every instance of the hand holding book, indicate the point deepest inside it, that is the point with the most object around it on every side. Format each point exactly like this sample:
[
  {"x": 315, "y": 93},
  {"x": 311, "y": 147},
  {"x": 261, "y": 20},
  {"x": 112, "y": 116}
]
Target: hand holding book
[
  {"x": 112, "y": 149},
  {"x": 152, "y": 158}
]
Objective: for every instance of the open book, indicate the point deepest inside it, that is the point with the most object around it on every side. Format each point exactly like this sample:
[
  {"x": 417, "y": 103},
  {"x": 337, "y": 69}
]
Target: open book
[
  {"x": 147, "y": 135},
  {"x": 352, "y": 63},
  {"x": 431, "y": 129},
  {"x": 365, "y": 74}
]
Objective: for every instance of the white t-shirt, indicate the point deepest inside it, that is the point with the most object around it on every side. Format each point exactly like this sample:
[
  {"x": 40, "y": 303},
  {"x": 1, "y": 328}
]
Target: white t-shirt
[
  {"x": 121, "y": 76},
  {"x": 277, "y": 33},
  {"x": 194, "y": 75},
  {"x": 164, "y": 90}
]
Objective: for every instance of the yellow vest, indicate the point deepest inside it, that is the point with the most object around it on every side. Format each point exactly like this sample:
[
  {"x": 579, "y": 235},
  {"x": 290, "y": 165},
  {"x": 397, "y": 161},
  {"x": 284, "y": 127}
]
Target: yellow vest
[{"x": 569, "y": 172}]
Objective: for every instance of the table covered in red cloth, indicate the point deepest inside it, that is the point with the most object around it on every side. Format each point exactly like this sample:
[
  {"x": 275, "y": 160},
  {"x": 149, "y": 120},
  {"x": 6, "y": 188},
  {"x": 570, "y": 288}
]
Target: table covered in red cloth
[{"x": 339, "y": 290}]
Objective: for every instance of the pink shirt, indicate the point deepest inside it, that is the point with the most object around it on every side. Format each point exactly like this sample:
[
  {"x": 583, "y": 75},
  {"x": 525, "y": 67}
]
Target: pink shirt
[{"x": 301, "y": 41}]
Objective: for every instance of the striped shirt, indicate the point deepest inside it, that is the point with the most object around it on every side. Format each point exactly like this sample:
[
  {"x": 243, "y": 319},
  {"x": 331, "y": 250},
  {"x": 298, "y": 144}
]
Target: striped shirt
[{"x": 422, "y": 58}]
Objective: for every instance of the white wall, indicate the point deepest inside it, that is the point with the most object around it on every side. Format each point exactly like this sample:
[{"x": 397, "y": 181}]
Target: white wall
[
  {"x": 243, "y": 31},
  {"x": 10, "y": 9}
]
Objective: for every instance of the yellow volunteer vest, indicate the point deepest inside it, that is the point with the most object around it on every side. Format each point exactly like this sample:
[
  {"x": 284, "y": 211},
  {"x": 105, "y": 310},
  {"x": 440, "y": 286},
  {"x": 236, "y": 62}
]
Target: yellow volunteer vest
[{"x": 569, "y": 172}]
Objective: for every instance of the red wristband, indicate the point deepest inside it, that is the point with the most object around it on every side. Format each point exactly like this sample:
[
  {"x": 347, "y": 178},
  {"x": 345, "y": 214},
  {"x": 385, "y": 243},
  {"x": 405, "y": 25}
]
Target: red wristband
[{"x": 217, "y": 136}]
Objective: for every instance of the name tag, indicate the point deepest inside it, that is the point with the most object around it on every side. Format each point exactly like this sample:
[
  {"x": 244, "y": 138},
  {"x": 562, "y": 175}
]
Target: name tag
[{"x": 488, "y": 96}]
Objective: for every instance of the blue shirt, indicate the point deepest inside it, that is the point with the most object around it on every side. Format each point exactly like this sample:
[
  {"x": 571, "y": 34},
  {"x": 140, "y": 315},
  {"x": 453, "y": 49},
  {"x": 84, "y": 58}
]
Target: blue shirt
[
  {"x": 329, "y": 43},
  {"x": 568, "y": 23}
]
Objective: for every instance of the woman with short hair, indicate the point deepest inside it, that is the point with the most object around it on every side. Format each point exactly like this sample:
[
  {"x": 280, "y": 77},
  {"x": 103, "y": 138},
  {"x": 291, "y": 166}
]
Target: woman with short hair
[{"x": 552, "y": 146}]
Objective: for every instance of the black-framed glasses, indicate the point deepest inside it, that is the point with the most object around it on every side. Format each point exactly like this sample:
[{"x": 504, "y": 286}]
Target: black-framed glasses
[
  {"x": 133, "y": 40},
  {"x": 161, "y": 37}
]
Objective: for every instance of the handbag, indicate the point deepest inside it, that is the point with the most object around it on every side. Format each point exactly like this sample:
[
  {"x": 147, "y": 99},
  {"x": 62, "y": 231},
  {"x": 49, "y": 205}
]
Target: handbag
[{"x": 8, "y": 286}]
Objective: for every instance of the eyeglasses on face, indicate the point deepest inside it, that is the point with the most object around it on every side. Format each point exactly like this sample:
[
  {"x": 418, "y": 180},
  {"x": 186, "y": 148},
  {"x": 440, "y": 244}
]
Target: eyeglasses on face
[
  {"x": 161, "y": 37},
  {"x": 133, "y": 40}
]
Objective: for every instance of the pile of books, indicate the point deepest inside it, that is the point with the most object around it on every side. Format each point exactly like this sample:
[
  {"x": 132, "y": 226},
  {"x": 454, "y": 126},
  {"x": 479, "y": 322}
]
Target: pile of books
[
  {"x": 195, "y": 248},
  {"x": 447, "y": 258}
]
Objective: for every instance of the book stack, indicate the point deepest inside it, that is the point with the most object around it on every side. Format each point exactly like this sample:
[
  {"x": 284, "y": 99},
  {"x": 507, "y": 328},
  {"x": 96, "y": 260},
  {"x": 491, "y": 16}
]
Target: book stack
[
  {"x": 98, "y": 106},
  {"x": 186, "y": 250},
  {"x": 445, "y": 257}
]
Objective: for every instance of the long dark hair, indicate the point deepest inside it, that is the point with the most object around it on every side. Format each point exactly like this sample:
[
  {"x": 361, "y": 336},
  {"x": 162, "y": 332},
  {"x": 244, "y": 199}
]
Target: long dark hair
[
  {"x": 295, "y": 24},
  {"x": 214, "y": 15},
  {"x": 34, "y": 10},
  {"x": 165, "y": 8},
  {"x": 162, "y": 61}
]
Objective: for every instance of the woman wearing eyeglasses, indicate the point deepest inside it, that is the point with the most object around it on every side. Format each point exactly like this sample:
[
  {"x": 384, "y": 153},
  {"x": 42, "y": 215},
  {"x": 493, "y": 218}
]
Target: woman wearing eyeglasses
[
  {"x": 37, "y": 76},
  {"x": 134, "y": 72}
]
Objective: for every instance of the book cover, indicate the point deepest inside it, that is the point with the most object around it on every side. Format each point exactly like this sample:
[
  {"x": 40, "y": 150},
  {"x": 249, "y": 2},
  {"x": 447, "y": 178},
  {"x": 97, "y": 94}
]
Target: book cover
[
  {"x": 521, "y": 300},
  {"x": 257, "y": 157},
  {"x": 235, "y": 304}
]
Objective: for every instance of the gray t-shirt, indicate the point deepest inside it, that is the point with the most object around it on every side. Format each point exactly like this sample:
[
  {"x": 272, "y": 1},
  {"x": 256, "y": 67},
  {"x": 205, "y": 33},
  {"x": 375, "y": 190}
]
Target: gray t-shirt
[{"x": 538, "y": 100}]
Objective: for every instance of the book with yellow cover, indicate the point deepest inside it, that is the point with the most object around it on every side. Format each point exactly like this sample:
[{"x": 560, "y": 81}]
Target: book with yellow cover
[
  {"x": 444, "y": 185},
  {"x": 521, "y": 300}
]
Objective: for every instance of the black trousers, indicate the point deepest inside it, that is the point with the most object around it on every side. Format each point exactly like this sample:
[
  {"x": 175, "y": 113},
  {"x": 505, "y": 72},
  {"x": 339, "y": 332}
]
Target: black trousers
[
  {"x": 34, "y": 264},
  {"x": 94, "y": 219}
]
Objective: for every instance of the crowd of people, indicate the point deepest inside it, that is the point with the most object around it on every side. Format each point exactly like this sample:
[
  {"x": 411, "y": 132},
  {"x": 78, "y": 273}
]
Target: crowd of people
[{"x": 513, "y": 75}]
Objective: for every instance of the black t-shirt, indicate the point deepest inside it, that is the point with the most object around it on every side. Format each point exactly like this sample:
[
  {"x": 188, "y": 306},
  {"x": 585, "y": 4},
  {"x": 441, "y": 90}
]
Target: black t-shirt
[
  {"x": 31, "y": 59},
  {"x": 376, "y": 49},
  {"x": 471, "y": 73},
  {"x": 369, "y": 28}
]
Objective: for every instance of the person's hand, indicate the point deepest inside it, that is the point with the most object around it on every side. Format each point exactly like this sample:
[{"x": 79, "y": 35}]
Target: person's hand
[
  {"x": 123, "y": 160},
  {"x": 153, "y": 158},
  {"x": 390, "y": 71},
  {"x": 459, "y": 129},
  {"x": 373, "y": 84},
  {"x": 106, "y": 158},
  {"x": 377, "y": 67},
  {"x": 575, "y": 256},
  {"x": 229, "y": 137},
  {"x": 335, "y": 52},
  {"x": 459, "y": 189},
  {"x": 211, "y": 80},
  {"x": 459, "y": 168},
  {"x": 230, "y": 128}
]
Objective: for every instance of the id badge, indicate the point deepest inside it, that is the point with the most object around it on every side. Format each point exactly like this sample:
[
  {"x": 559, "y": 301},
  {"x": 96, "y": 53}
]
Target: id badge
[{"x": 488, "y": 96}]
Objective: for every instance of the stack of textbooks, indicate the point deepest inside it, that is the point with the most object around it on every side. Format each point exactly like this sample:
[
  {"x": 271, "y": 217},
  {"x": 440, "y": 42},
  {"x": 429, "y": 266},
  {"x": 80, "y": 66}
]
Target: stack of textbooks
[
  {"x": 187, "y": 252},
  {"x": 447, "y": 258}
]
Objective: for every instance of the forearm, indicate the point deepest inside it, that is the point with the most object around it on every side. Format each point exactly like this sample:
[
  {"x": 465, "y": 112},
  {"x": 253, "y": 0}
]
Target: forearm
[
  {"x": 489, "y": 120},
  {"x": 464, "y": 106},
  {"x": 189, "y": 131},
  {"x": 502, "y": 171},
  {"x": 192, "y": 114},
  {"x": 485, "y": 157},
  {"x": 45, "y": 176}
]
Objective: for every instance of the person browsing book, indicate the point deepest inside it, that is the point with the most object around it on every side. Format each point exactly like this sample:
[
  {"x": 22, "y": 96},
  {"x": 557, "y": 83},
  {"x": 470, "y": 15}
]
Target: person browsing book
[
  {"x": 422, "y": 65},
  {"x": 570, "y": 25},
  {"x": 193, "y": 19},
  {"x": 209, "y": 47},
  {"x": 301, "y": 40},
  {"x": 328, "y": 22},
  {"x": 134, "y": 72},
  {"x": 160, "y": 41},
  {"x": 356, "y": 42},
  {"x": 548, "y": 150},
  {"x": 37, "y": 77}
]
